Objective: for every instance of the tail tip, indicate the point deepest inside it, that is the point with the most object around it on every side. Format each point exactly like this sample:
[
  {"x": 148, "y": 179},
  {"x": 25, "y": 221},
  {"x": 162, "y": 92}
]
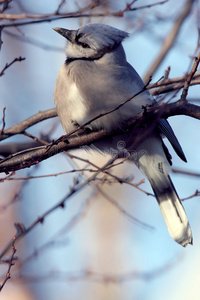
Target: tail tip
[{"x": 187, "y": 241}]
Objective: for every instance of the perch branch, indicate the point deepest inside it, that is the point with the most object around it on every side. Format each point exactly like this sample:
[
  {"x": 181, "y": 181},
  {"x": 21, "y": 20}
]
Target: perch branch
[{"x": 33, "y": 156}]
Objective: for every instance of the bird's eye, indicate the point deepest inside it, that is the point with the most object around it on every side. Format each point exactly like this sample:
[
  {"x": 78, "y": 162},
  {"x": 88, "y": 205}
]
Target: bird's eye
[{"x": 84, "y": 45}]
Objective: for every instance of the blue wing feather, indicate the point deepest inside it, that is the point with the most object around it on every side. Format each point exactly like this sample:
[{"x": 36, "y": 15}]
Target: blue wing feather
[{"x": 164, "y": 127}]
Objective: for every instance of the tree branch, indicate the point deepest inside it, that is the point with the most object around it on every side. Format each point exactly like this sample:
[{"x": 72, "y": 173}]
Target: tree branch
[
  {"x": 10, "y": 264},
  {"x": 189, "y": 77},
  {"x": 80, "y": 13},
  {"x": 21, "y": 230},
  {"x": 33, "y": 156},
  {"x": 12, "y": 62},
  {"x": 172, "y": 84},
  {"x": 170, "y": 39},
  {"x": 22, "y": 126}
]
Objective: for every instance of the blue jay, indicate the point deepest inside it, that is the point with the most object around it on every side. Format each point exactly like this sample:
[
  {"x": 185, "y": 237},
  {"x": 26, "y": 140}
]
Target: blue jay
[{"x": 95, "y": 79}]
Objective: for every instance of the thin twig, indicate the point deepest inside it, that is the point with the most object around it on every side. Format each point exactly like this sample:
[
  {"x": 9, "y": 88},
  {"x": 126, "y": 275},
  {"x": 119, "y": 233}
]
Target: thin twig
[
  {"x": 170, "y": 39},
  {"x": 36, "y": 139},
  {"x": 196, "y": 194},
  {"x": 80, "y": 13},
  {"x": 12, "y": 62},
  {"x": 22, "y": 126},
  {"x": 104, "y": 278},
  {"x": 57, "y": 13},
  {"x": 121, "y": 209},
  {"x": 3, "y": 121},
  {"x": 22, "y": 230},
  {"x": 10, "y": 178},
  {"x": 189, "y": 77},
  {"x": 129, "y": 8},
  {"x": 167, "y": 71},
  {"x": 53, "y": 241},
  {"x": 46, "y": 16},
  {"x": 168, "y": 81},
  {"x": 184, "y": 172},
  {"x": 59, "y": 7},
  {"x": 11, "y": 263},
  {"x": 5, "y": 5}
]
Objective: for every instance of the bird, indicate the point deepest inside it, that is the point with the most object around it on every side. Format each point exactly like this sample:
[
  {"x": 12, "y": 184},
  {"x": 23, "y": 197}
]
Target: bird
[{"x": 94, "y": 80}]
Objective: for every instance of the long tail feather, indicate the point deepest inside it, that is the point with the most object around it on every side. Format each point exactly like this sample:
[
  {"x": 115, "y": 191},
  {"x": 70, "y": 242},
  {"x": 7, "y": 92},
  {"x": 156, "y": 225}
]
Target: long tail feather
[
  {"x": 154, "y": 165},
  {"x": 172, "y": 211}
]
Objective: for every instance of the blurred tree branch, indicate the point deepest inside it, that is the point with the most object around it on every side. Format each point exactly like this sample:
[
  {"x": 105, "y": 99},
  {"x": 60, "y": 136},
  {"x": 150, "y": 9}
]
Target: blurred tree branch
[
  {"x": 12, "y": 62},
  {"x": 10, "y": 263},
  {"x": 81, "y": 12},
  {"x": 172, "y": 84},
  {"x": 170, "y": 39}
]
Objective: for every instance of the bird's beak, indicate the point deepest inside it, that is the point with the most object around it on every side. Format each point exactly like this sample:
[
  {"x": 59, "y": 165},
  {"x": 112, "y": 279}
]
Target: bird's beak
[{"x": 68, "y": 34}]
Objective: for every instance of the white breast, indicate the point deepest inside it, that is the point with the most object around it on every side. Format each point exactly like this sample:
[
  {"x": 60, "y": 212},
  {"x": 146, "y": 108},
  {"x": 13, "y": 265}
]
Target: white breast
[
  {"x": 77, "y": 104},
  {"x": 70, "y": 105}
]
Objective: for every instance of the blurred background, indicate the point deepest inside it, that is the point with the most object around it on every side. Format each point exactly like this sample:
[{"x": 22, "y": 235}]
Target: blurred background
[{"x": 93, "y": 249}]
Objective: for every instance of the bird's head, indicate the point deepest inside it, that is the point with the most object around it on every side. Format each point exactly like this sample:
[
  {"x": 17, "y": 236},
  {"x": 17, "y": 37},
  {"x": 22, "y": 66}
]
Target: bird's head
[{"x": 91, "y": 41}]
